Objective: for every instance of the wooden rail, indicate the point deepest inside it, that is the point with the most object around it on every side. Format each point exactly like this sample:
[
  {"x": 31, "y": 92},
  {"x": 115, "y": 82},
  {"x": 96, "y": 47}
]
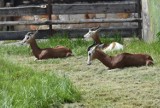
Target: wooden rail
[
  {"x": 22, "y": 11},
  {"x": 47, "y": 22},
  {"x": 72, "y": 33},
  {"x": 116, "y": 7}
]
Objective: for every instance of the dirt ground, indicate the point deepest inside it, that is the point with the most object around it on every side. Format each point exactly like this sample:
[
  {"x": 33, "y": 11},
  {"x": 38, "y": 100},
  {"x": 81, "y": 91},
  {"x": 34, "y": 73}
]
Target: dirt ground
[{"x": 135, "y": 87}]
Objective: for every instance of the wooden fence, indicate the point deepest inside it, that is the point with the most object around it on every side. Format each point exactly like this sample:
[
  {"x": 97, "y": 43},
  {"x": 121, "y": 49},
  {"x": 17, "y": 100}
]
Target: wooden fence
[{"x": 127, "y": 6}]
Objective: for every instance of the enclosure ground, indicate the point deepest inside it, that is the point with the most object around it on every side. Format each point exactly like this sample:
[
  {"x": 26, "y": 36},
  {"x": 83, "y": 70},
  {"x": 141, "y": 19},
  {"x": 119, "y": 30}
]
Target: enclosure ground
[{"x": 102, "y": 88}]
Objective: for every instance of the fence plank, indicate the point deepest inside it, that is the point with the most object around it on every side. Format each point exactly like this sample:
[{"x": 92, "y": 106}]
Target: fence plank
[
  {"x": 23, "y": 11},
  {"x": 85, "y": 1},
  {"x": 139, "y": 8},
  {"x": 72, "y": 33},
  {"x": 115, "y": 7},
  {"x": 47, "y": 22}
]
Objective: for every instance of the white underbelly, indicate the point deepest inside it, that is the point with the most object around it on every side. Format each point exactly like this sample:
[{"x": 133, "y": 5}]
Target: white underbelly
[{"x": 114, "y": 46}]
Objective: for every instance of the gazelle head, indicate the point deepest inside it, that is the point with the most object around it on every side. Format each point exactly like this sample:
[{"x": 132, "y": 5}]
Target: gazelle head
[
  {"x": 91, "y": 52},
  {"x": 29, "y": 37},
  {"x": 91, "y": 33}
]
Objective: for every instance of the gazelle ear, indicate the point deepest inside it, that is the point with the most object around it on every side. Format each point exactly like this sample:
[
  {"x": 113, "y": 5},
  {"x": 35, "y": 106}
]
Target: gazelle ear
[
  {"x": 99, "y": 46},
  {"x": 97, "y": 30},
  {"x": 94, "y": 43},
  {"x": 34, "y": 34}
]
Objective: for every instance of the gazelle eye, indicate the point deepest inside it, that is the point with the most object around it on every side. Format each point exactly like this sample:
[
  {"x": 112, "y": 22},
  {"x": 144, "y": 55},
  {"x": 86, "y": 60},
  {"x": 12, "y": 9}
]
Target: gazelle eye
[
  {"x": 27, "y": 38},
  {"x": 30, "y": 34}
]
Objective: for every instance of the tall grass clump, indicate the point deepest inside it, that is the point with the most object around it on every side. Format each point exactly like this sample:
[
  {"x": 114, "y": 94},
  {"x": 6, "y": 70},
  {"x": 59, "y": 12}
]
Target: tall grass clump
[
  {"x": 77, "y": 45},
  {"x": 158, "y": 36},
  {"x": 139, "y": 46},
  {"x": 14, "y": 50},
  {"x": 115, "y": 38},
  {"x": 22, "y": 87}
]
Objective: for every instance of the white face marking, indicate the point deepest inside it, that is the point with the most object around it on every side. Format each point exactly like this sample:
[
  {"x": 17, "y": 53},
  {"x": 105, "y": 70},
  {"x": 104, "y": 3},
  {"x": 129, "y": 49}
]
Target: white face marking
[
  {"x": 90, "y": 54},
  {"x": 89, "y": 35},
  {"x": 27, "y": 37},
  {"x": 89, "y": 58}
]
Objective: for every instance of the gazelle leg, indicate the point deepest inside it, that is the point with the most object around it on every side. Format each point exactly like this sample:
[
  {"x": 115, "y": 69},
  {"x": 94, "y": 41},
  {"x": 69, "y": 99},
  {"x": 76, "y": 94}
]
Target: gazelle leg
[
  {"x": 149, "y": 62},
  {"x": 35, "y": 59}
]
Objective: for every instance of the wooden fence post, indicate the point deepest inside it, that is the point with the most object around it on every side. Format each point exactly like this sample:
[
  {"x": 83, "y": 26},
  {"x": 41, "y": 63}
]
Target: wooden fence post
[
  {"x": 1, "y": 18},
  {"x": 9, "y": 28},
  {"x": 49, "y": 9},
  {"x": 147, "y": 35},
  {"x": 139, "y": 8}
]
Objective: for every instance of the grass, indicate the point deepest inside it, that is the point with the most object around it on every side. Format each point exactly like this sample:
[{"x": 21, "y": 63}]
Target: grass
[{"x": 22, "y": 85}]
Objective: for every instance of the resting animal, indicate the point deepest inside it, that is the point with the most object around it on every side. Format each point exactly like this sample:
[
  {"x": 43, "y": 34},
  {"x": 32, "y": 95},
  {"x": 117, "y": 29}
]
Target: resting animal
[
  {"x": 46, "y": 53},
  {"x": 120, "y": 61},
  {"x": 93, "y": 34}
]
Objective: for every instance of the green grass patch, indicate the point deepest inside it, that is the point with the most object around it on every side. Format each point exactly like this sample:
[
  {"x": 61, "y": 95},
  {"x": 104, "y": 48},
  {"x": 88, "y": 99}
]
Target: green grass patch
[
  {"x": 22, "y": 87},
  {"x": 14, "y": 50}
]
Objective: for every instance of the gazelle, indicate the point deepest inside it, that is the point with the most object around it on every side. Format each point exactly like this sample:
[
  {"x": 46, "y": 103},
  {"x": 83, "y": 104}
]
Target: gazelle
[
  {"x": 93, "y": 34},
  {"x": 119, "y": 61},
  {"x": 46, "y": 53}
]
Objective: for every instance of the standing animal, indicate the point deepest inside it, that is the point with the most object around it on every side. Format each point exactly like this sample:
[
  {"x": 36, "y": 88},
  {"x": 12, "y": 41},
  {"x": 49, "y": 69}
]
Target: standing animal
[
  {"x": 46, "y": 53},
  {"x": 120, "y": 61},
  {"x": 93, "y": 34}
]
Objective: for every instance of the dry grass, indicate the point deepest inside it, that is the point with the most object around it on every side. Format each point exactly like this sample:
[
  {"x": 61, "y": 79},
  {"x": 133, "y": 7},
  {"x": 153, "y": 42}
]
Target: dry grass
[{"x": 101, "y": 88}]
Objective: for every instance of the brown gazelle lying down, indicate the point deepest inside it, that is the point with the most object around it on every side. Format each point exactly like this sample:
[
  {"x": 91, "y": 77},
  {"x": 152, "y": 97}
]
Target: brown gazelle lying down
[
  {"x": 93, "y": 34},
  {"x": 119, "y": 61},
  {"x": 46, "y": 53}
]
